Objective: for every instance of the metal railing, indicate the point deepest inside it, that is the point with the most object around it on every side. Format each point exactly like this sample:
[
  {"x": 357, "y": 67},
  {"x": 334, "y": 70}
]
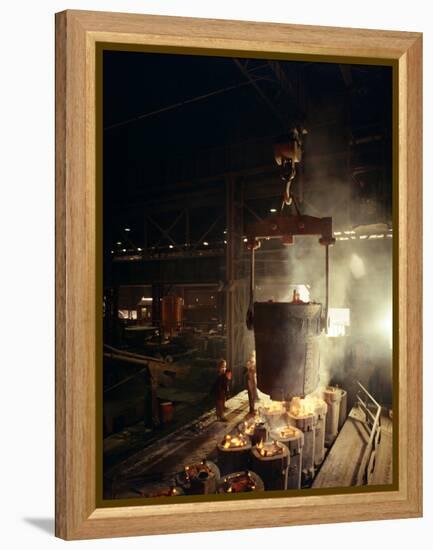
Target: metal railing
[{"x": 372, "y": 410}]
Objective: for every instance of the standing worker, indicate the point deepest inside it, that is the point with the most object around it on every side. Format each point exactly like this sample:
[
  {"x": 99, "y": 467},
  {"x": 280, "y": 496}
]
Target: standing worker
[
  {"x": 251, "y": 381},
  {"x": 221, "y": 389}
]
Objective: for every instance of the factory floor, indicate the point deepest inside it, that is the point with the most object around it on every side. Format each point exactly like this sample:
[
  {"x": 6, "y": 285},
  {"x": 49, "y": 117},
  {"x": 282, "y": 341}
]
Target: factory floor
[
  {"x": 341, "y": 467},
  {"x": 140, "y": 474},
  {"x": 119, "y": 446},
  {"x": 154, "y": 465}
]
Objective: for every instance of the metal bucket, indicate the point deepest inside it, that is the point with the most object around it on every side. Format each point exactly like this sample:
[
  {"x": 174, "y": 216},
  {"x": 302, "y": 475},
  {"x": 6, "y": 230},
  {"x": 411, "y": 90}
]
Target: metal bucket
[
  {"x": 287, "y": 348},
  {"x": 166, "y": 412}
]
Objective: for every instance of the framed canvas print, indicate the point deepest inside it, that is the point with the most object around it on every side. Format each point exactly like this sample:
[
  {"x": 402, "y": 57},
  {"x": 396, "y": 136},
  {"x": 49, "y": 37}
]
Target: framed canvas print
[{"x": 238, "y": 274}]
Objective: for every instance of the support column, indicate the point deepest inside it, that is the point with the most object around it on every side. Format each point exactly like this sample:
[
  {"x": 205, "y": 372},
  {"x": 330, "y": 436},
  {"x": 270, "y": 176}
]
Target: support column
[{"x": 239, "y": 339}]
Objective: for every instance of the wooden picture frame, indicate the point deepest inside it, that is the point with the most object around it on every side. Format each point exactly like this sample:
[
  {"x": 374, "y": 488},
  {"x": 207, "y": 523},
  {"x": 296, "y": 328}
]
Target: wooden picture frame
[{"x": 78, "y": 34}]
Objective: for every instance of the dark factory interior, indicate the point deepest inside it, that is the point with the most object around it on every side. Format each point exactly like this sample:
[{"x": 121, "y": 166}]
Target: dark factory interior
[{"x": 247, "y": 275}]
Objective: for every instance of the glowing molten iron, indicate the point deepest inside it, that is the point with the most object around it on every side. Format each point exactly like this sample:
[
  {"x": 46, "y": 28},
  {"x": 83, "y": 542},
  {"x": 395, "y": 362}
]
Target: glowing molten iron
[
  {"x": 249, "y": 426},
  {"x": 274, "y": 407},
  {"x": 306, "y": 406},
  {"x": 288, "y": 431},
  {"x": 195, "y": 470},
  {"x": 234, "y": 441},
  {"x": 240, "y": 483},
  {"x": 269, "y": 448}
]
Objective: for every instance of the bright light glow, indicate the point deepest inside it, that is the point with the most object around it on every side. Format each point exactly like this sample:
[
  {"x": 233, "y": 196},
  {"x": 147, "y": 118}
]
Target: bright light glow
[
  {"x": 112, "y": 252},
  {"x": 386, "y": 327},
  {"x": 127, "y": 229},
  {"x": 245, "y": 240},
  {"x": 225, "y": 242},
  {"x": 357, "y": 266},
  {"x": 273, "y": 210},
  {"x": 123, "y": 249},
  {"x": 363, "y": 237},
  {"x": 139, "y": 249},
  {"x": 337, "y": 232},
  {"x": 205, "y": 243},
  {"x": 119, "y": 242},
  {"x": 144, "y": 299},
  {"x": 170, "y": 246},
  {"x": 343, "y": 238},
  {"x": 338, "y": 320}
]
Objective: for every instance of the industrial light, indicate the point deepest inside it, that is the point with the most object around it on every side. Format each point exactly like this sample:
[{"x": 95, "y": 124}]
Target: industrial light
[
  {"x": 273, "y": 210},
  {"x": 127, "y": 229},
  {"x": 112, "y": 252},
  {"x": 225, "y": 242},
  {"x": 338, "y": 320},
  {"x": 123, "y": 249},
  {"x": 139, "y": 249},
  {"x": 119, "y": 243},
  {"x": 205, "y": 243},
  {"x": 245, "y": 240},
  {"x": 170, "y": 246}
]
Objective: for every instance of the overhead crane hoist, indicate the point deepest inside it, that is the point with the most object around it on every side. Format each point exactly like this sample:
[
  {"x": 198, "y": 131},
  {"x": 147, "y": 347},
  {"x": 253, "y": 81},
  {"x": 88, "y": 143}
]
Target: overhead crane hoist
[{"x": 287, "y": 333}]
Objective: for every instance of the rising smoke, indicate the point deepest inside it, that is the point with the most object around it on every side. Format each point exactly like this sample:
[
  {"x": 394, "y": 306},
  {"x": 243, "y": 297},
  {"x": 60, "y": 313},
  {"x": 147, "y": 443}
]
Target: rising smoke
[{"x": 360, "y": 277}]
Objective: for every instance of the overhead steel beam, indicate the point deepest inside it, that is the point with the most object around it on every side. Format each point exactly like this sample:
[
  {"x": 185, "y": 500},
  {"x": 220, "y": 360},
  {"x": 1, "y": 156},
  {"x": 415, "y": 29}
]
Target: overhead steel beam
[
  {"x": 260, "y": 92},
  {"x": 166, "y": 232},
  {"x": 178, "y": 104},
  {"x": 208, "y": 230},
  {"x": 281, "y": 77}
]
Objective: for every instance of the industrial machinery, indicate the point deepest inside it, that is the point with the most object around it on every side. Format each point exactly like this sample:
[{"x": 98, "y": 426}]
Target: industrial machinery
[
  {"x": 287, "y": 154},
  {"x": 171, "y": 314},
  {"x": 290, "y": 329}
]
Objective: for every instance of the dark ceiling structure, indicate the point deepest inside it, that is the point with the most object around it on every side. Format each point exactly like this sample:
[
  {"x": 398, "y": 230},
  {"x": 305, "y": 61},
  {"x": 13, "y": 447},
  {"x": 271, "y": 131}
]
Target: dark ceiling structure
[{"x": 176, "y": 126}]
